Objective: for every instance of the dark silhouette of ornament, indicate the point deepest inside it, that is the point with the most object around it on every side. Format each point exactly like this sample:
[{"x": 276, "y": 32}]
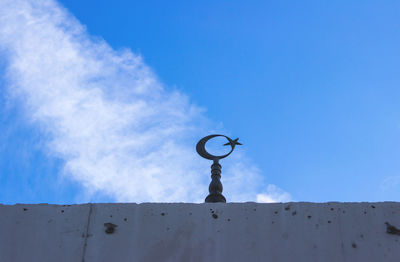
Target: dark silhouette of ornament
[{"x": 215, "y": 188}]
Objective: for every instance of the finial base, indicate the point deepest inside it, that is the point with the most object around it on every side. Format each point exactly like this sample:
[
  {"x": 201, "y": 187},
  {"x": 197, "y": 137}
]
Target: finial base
[
  {"x": 215, "y": 188},
  {"x": 215, "y": 198}
]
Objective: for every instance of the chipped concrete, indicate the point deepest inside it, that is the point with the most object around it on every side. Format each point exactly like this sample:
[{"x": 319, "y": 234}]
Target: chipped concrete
[
  {"x": 201, "y": 232},
  {"x": 42, "y": 232}
]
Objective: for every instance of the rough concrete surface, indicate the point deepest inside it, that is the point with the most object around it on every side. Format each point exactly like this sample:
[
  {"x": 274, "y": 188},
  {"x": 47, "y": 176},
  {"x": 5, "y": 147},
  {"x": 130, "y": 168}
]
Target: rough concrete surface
[{"x": 201, "y": 232}]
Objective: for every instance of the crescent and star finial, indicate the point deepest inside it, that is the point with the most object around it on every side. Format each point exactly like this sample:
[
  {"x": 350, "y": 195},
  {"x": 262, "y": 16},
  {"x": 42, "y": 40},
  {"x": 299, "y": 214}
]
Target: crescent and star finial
[
  {"x": 215, "y": 187},
  {"x": 201, "y": 147}
]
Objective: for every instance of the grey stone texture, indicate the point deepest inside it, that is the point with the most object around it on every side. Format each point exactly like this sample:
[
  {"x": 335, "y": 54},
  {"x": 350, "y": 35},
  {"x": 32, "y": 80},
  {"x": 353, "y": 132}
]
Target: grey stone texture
[{"x": 295, "y": 231}]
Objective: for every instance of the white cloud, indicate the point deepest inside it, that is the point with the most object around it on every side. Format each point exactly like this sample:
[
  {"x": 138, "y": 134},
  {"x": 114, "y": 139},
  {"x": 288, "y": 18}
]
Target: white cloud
[
  {"x": 274, "y": 194},
  {"x": 117, "y": 129},
  {"x": 390, "y": 183}
]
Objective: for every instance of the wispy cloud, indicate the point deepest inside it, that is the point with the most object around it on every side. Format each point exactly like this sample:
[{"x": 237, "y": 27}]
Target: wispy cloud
[
  {"x": 273, "y": 194},
  {"x": 390, "y": 183},
  {"x": 118, "y": 130}
]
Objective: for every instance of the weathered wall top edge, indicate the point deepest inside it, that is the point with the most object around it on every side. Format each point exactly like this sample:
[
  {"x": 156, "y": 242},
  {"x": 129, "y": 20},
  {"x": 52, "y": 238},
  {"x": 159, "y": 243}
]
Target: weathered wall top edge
[{"x": 199, "y": 204}]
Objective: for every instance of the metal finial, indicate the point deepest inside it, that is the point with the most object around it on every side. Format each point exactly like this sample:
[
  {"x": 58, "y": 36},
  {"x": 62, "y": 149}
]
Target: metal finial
[{"x": 215, "y": 188}]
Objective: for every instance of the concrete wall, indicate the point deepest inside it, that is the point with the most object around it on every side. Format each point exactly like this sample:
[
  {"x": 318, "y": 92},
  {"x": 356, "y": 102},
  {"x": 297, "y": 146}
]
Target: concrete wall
[{"x": 200, "y": 232}]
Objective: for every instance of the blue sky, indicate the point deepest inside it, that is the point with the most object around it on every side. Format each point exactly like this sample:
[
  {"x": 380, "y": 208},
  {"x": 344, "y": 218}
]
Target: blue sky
[{"x": 311, "y": 88}]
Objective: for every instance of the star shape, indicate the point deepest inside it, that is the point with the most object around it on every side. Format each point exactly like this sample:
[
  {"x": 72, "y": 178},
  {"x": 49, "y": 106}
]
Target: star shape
[{"x": 233, "y": 142}]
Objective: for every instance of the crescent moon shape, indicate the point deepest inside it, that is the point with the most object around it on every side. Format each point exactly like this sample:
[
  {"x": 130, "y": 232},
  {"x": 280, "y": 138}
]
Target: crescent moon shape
[{"x": 201, "y": 148}]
